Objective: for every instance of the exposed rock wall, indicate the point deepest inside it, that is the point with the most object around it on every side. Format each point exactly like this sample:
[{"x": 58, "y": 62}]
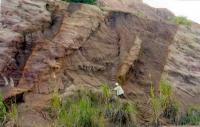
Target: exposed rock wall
[
  {"x": 79, "y": 44},
  {"x": 138, "y": 8},
  {"x": 183, "y": 68}
]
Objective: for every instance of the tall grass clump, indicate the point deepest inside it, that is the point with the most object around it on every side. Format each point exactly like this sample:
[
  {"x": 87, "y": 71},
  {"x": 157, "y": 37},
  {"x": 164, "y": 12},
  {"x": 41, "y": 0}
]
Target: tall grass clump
[
  {"x": 106, "y": 93},
  {"x": 2, "y": 110},
  {"x": 95, "y": 109},
  {"x": 82, "y": 1},
  {"x": 118, "y": 112},
  {"x": 192, "y": 116},
  {"x": 182, "y": 20},
  {"x": 156, "y": 105},
  {"x": 55, "y": 102},
  {"x": 80, "y": 112},
  {"x": 164, "y": 104},
  {"x": 121, "y": 114},
  {"x": 13, "y": 113}
]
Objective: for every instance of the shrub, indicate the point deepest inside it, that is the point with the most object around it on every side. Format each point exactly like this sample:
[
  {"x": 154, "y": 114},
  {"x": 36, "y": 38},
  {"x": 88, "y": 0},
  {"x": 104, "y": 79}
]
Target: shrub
[
  {"x": 82, "y": 1},
  {"x": 182, "y": 20},
  {"x": 192, "y": 117},
  {"x": 79, "y": 113},
  {"x": 121, "y": 113},
  {"x": 163, "y": 104},
  {"x": 171, "y": 112},
  {"x": 2, "y": 109},
  {"x": 89, "y": 109}
]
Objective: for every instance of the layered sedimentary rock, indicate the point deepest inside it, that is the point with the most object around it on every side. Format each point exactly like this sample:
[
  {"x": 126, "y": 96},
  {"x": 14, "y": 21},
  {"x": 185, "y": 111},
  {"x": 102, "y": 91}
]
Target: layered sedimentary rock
[
  {"x": 183, "y": 68},
  {"x": 79, "y": 44}
]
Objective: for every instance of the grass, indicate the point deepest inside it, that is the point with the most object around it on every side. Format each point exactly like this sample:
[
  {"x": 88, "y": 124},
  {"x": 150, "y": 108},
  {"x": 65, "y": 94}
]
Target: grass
[
  {"x": 89, "y": 109},
  {"x": 55, "y": 102},
  {"x": 79, "y": 112},
  {"x": 3, "y": 111},
  {"x": 121, "y": 114},
  {"x": 106, "y": 93},
  {"x": 156, "y": 104},
  {"x": 171, "y": 112},
  {"x": 192, "y": 117},
  {"x": 13, "y": 113},
  {"x": 182, "y": 21},
  {"x": 163, "y": 105},
  {"x": 82, "y": 1}
]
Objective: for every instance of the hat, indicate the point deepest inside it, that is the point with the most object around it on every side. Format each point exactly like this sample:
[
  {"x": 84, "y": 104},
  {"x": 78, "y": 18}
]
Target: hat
[{"x": 117, "y": 84}]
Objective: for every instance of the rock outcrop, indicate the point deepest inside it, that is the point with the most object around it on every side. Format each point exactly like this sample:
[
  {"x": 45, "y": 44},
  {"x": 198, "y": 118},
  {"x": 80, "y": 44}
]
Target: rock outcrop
[
  {"x": 182, "y": 68},
  {"x": 47, "y": 46}
]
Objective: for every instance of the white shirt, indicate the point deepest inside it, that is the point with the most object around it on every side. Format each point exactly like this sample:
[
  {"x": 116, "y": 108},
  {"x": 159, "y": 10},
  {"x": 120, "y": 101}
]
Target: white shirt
[{"x": 119, "y": 90}]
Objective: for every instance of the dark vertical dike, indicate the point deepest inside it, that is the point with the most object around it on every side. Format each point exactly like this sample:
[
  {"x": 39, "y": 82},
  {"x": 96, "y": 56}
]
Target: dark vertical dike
[{"x": 23, "y": 50}]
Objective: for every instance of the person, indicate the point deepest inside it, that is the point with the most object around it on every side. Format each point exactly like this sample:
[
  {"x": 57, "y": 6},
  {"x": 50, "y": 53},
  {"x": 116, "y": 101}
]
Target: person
[{"x": 119, "y": 90}]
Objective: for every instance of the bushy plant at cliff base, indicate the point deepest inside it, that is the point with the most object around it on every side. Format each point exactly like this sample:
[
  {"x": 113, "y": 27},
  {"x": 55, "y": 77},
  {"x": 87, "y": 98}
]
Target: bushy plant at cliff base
[
  {"x": 192, "y": 116},
  {"x": 82, "y": 1},
  {"x": 89, "y": 109},
  {"x": 163, "y": 105}
]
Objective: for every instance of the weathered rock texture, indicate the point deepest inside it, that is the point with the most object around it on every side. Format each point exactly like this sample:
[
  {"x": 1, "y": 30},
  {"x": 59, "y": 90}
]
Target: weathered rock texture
[
  {"x": 183, "y": 68},
  {"x": 45, "y": 46}
]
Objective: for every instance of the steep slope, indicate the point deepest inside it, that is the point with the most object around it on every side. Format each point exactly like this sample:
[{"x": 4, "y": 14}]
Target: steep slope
[
  {"x": 104, "y": 40},
  {"x": 138, "y": 8},
  {"x": 182, "y": 68}
]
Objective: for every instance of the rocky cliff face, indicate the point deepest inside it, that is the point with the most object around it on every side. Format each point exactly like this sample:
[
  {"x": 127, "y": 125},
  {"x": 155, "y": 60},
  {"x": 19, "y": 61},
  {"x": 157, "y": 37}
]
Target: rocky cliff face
[
  {"x": 54, "y": 45},
  {"x": 182, "y": 68}
]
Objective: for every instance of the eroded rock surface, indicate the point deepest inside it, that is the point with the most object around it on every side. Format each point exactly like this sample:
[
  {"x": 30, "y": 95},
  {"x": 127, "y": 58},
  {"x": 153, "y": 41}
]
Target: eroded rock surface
[{"x": 183, "y": 68}]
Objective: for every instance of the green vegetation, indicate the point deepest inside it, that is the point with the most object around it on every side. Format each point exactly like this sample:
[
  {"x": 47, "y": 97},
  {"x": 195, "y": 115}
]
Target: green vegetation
[
  {"x": 164, "y": 104},
  {"x": 105, "y": 92},
  {"x": 89, "y": 109},
  {"x": 13, "y": 113},
  {"x": 2, "y": 110},
  {"x": 122, "y": 114},
  {"x": 140, "y": 14},
  {"x": 80, "y": 113},
  {"x": 156, "y": 104},
  {"x": 182, "y": 20},
  {"x": 192, "y": 117},
  {"x": 82, "y": 1},
  {"x": 171, "y": 112},
  {"x": 55, "y": 102}
]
